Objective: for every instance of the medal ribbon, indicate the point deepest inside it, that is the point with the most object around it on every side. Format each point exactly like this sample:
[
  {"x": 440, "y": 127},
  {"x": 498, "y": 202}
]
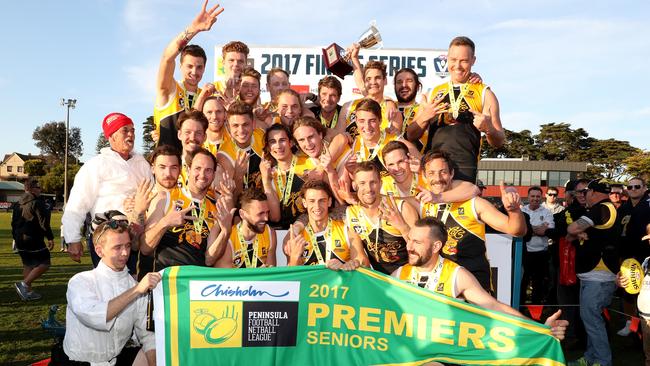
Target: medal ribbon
[
  {"x": 328, "y": 242},
  {"x": 198, "y": 223},
  {"x": 244, "y": 247},
  {"x": 284, "y": 191},
  {"x": 454, "y": 103},
  {"x": 376, "y": 227},
  {"x": 377, "y": 147},
  {"x": 331, "y": 123},
  {"x": 434, "y": 276}
]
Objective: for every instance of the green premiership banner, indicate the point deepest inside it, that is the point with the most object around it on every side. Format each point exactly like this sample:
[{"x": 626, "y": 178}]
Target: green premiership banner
[{"x": 310, "y": 315}]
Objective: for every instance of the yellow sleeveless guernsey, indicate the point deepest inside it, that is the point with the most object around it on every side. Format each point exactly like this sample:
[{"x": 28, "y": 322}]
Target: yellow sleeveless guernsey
[
  {"x": 385, "y": 245},
  {"x": 213, "y": 146},
  {"x": 458, "y": 137},
  {"x": 257, "y": 250},
  {"x": 336, "y": 241},
  {"x": 365, "y": 153},
  {"x": 164, "y": 117},
  {"x": 229, "y": 150},
  {"x": 187, "y": 243},
  {"x": 351, "y": 118},
  {"x": 389, "y": 186},
  {"x": 408, "y": 116},
  {"x": 445, "y": 285},
  {"x": 291, "y": 206}
]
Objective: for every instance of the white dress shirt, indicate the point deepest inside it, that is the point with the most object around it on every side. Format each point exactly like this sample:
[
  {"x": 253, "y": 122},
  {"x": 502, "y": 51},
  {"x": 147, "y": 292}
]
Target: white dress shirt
[
  {"x": 102, "y": 184},
  {"x": 88, "y": 336}
]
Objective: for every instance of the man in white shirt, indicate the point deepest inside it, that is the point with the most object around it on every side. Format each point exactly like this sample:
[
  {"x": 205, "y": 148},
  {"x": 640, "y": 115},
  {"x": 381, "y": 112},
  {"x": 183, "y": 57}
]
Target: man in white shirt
[
  {"x": 104, "y": 181},
  {"x": 536, "y": 259},
  {"x": 106, "y": 305}
]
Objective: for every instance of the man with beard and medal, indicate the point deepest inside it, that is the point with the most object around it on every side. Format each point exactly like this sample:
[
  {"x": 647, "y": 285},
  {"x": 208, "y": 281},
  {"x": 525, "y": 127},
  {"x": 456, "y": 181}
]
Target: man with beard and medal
[
  {"x": 407, "y": 84},
  {"x": 323, "y": 239},
  {"x": 182, "y": 230},
  {"x": 466, "y": 220},
  {"x": 173, "y": 97},
  {"x": 403, "y": 182},
  {"x": 473, "y": 109},
  {"x": 191, "y": 126},
  {"x": 284, "y": 171},
  {"x": 378, "y": 222},
  {"x": 251, "y": 242}
]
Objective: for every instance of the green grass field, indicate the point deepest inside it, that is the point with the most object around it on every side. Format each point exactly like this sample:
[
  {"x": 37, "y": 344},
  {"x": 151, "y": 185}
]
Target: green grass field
[{"x": 22, "y": 341}]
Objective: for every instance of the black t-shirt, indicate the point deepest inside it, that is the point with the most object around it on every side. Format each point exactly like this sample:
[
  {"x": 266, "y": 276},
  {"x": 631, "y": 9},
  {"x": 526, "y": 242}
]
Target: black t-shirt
[{"x": 603, "y": 239}]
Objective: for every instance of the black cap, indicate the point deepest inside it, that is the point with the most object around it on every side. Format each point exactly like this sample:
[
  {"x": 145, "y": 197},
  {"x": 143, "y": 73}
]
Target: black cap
[
  {"x": 598, "y": 186},
  {"x": 570, "y": 186}
]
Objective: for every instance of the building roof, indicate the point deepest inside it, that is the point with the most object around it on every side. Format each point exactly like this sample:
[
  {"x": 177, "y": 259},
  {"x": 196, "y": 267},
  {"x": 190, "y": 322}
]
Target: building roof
[
  {"x": 521, "y": 164},
  {"x": 24, "y": 157},
  {"x": 11, "y": 186}
]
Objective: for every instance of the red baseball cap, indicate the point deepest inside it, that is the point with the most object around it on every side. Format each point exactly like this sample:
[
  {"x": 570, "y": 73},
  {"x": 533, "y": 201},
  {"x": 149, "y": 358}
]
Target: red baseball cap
[{"x": 113, "y": 122}]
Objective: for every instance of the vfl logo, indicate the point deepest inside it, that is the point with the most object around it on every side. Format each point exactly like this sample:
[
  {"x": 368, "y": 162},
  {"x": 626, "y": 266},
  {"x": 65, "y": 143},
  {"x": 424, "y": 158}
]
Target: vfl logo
[
  {"x": 216, "y": 330},
  {"x": 217, "y": 290},
  {"x": 440, "y": 64}
]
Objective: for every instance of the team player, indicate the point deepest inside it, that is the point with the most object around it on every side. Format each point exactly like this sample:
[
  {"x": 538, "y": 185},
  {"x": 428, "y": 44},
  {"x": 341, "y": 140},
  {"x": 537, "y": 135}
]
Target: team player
[
  {"x": 182, "y": 230},
  {"x": 378, "y": 222},
  {"x": 466, "y": 220},
  {"x": 173, "y": 97},
  {"x": 234, "y": 55},
  {"x": 471, "y": 109},
  {"x": 251, "y": 242},
  {"x": 322, "y": 239},
  {"x": 191, "y": 126},
  {"x": 285, "y": 172},
  {"x": 328, "y": 109},
  {"x": 370, "y": 140},
  {"x": 215, "y": 112}
]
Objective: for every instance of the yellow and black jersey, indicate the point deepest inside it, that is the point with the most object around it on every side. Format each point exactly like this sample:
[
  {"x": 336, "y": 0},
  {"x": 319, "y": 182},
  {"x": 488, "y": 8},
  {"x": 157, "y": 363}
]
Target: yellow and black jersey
[
  {"x": 364, "y": 152},
  {"x": 164, "y": 117},
  {"x": 384, "y": 244},
  {"x": 289, "y": 196},
  {"x": 408, "y": 116},
  {"x": 255, "y": 151},
  {"x": 441, "y": 280},
  {"x": 249, "y": 254},
  {"x": 186, "y": 244},
  {"x": 351, "y": 118},
  {"x": 214, "y": 146},
  {"x": 458, "y": 136},
  {"x": 465, "y": 236},
  {"x": 332, "y": 243},
  {"x": 333, "y": 122},
  {"x": 389, "y": 186}
]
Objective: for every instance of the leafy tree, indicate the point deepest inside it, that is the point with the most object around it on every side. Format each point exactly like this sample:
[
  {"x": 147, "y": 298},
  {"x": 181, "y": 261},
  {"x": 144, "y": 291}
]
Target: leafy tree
[
  {"x": 35, "y": 167},
  {"x": 52, "y": 182},
  {"x": 50, "y": 139},
  {"x": 148, "y": 144},
  {"x": 638, "y": 165},
  {"x": 102, "y": 142},
  {"x": 609, "y": 155},
  {"x": 558, "y": 141}
]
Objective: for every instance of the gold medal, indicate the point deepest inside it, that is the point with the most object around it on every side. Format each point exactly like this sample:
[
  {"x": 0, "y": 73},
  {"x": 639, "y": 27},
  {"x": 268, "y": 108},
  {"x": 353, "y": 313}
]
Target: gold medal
[{"x": 454, "y": 103}]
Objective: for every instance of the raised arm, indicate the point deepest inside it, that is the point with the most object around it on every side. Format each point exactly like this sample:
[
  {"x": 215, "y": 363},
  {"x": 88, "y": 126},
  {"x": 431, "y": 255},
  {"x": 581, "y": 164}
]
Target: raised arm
[
  {"x": 514, "y": 223},
  {"x": 165, "y": 80}
]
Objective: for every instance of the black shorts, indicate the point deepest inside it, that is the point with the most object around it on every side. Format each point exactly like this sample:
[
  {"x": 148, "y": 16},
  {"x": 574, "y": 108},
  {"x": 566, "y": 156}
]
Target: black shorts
[{"x": 35, "y": 258}]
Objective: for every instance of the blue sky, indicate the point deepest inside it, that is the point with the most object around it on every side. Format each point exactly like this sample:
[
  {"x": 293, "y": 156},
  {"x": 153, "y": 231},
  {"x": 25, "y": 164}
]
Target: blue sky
[{"x": 581, "y": 62}]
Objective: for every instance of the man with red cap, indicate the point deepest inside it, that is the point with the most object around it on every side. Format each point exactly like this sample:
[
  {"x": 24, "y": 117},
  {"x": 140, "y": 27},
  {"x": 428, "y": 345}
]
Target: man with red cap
[{"x": 104, "y": 181}]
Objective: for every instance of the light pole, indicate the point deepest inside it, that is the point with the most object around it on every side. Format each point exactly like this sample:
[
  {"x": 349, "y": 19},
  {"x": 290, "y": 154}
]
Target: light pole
[{"x": 69, "y": 103}]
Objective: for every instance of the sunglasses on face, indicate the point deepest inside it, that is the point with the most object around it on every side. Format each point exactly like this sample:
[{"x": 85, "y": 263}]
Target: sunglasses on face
[
  {"x": 552, "y": 194},
  {"x": 619, "y": 193},
  {"x": 633, "y": 186},
  {"x": 583, "y": 191}
]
